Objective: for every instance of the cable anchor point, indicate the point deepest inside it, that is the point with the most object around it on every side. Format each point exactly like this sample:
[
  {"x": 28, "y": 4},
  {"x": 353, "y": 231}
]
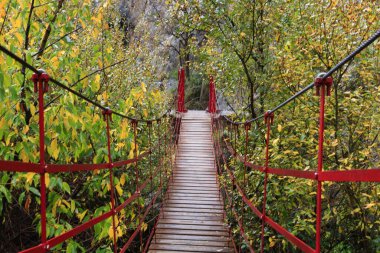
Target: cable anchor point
[{"x": 320, "y": 81}]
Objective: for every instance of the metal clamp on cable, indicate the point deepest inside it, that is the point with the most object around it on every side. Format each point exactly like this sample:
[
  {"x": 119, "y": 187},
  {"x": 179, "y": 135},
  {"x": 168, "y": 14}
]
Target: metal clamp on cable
[
  {"x": 107, "y": 113},
  {"x": 41, "y": 78},
  {"x": 321, "y": 80},
  {"x": 269, "y": 117},
  {"x": 247, "y": 125}
]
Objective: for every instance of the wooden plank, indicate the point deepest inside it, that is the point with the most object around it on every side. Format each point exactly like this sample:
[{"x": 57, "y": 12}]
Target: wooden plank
[
  {"x": 191, "y": 232},
  {"x": 193, "y": 237},
  {"x": 186, "y": 248},
  {"x": 199, "y": 217},
  {"x": 192, "y": 216},
  {"x": 192, "y": 242}
]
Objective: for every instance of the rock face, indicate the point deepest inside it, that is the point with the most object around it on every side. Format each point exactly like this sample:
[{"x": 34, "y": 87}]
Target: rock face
[{"x": 148, "y": 22}]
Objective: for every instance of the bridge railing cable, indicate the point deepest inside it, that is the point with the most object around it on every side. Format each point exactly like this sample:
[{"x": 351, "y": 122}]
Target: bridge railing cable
[
  {"x": 329, "y": 73},
  {"x": 225, "y": 135},
  {"x": 169, "y": 136}
]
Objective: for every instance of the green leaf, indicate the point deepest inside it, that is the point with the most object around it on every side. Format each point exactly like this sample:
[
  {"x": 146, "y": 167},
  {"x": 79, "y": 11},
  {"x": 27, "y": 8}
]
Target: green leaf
[
  {"x": 35, "y": 191},
  {"x": 66, "y": 187},
  {"x": 6, "y": 193}
]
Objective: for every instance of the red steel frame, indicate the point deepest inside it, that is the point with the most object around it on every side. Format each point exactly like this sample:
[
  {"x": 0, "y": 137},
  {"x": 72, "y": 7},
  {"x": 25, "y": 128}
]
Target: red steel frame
[
  {"x": 40, "y": 81},
  {"x": 323, "y": 87},
  {"x": 212, "y": 96},
  {"x": 181, "y": 91}
]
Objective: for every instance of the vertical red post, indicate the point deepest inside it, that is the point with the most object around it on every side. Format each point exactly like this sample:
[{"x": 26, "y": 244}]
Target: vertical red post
[
  {"x": 41, "y": 84},
  {"x": 323, "y": 88},
  {"x": 268, "y": 118},
  {"x": 247, "y": 127},
  {"x": 107, "y": 116},
  {"x": 181, "y": 91},
  {"x": 159, "y": 166},
  {"x": 134, "y": 125},
  {"x": 212, "y": 96}
]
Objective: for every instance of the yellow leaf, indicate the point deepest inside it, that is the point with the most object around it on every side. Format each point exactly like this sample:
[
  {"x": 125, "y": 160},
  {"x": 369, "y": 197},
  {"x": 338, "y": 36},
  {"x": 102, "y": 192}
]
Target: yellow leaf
[
  {"x": 19, "y": 37},
  {"x": 32, "y": 109},
  {"x": 119, "y": 190},
  {"x": 29, "y": 177},
  {"x": 119, "y": 232},
  {"x": 96, "y": 84},
  {"x": 131, "y": 154},
  {"x": 81, "y": 215},
  {"x": 3, "y": 123},
  {"x": 143, "y": 87},
  {"x": 24, "y": 156},
  {"x": 54, "y": 61},
  {"x": 72, "y": 206},
  {"x": 271, "y": 242},
  {"x": 54, "y": 149},
  {"x": 26, "y": 129},
  {"x": 279, "y": 128},
  {"x": 144, "y": 226},
  {"x": 16, "y": 23},
  {"x": 110, "y": 232},
  {"x": 122, "y": 179},
  {"x": 370, "y": 205},
  {"x": 242, "y": 34},
  {"x": 47, "y": 180},
  {"x": 68, "y": 205}
]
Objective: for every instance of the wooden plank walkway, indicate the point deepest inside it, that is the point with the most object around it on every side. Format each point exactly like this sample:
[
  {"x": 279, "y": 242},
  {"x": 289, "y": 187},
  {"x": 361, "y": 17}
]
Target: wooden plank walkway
[{"x": 192, "y": 216}]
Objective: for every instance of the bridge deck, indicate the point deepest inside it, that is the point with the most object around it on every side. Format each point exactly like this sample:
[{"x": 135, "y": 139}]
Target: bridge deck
[{"x": 192, "y": 217}]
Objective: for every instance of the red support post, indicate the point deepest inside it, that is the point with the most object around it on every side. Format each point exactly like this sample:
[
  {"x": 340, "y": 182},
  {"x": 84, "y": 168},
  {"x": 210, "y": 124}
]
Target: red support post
[
  {"x": 41, "y": 84},
  {"x": 181, "y": 91},
  {"x": 212, "y": 96},
  {"x": 134, "y": 125},
  {"x": 323, "y": 88},
  {"x": 107, "y": 116},
  {"x": 268, "y": 118}
]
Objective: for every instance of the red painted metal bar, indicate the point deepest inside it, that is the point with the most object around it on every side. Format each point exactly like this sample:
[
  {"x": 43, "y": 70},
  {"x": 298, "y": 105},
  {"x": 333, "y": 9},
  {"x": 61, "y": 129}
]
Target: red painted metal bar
[
  {"x": 289, "y": 236},
  {"x": 212, "y": 96},
  {"x": 57, "y": 168},
  {"x": 75, "y": 231},
  {"x": 292, "y": 238},
  {"x": 181, "y": 91},
  {"x": 151, "y": 204},
  {"x": 268, "y": 121},
  {"x": 134, "y": 125},
  {"x": 141, "y": 220},
  {"x": 232, "y": 208},
  {"x": 322, "y": 87},
  {"x": 13, "y": 166},
  {"x": 108, "y": 117},
  {"x": 369, "y": 175},
  {"x": 40, "y": 81},
  {"x": 223, "y": 187}
]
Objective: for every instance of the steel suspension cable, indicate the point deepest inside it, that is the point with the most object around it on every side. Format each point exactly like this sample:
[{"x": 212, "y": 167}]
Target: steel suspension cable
[
  {"x": 348, "y": 58},
  {"x": 78, "y": 94}
]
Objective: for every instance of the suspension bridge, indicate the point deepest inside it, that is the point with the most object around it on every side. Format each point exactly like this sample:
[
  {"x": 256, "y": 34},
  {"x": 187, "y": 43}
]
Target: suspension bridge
[{"x": 193, "y": 150}]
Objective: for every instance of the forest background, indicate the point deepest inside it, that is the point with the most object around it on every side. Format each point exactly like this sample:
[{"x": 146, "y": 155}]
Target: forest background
[{"x": 125, "y": 54}]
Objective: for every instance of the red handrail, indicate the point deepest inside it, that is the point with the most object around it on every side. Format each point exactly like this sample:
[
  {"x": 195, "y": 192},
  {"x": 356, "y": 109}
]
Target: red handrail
[{"x": 41, "y": 86}]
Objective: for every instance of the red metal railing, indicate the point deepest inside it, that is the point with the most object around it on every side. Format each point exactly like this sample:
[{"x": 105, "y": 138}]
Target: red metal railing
[
  {"x": 41, "y": 82},
  {"x": 322, "y": 84}
]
